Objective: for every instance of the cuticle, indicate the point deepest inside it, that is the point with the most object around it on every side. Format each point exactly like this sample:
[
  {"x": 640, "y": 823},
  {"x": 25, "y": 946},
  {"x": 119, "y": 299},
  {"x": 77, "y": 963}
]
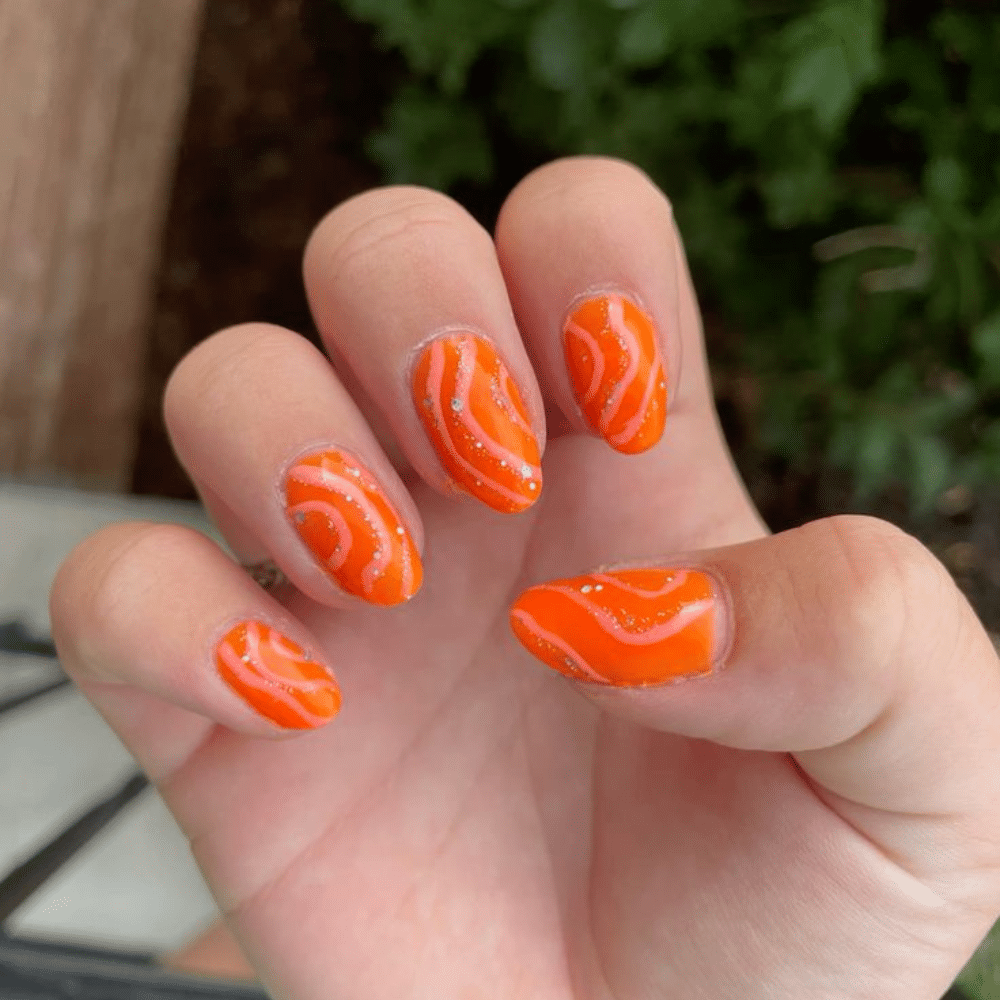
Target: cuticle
[{"x": 592, "y": 291}]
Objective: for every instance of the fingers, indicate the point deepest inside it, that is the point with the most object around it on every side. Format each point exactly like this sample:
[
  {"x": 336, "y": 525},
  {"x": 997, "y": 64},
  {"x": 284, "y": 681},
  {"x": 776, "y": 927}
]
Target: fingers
[
  {"x": 404, "y": 285},
  {"x": 603, "y": 324},
  {"x": 843, "y": 642},
  {"x": 162, "y": 609},
  {"x": 282, "y": 456},
  {"x": 411, "y": 294}
]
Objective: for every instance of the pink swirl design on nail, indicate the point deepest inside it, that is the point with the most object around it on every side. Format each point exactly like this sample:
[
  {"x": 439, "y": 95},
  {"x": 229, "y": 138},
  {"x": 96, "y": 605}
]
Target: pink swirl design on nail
[
  {"x": 627, "y": 627},
  {"x": 352, "y": 492},
  {"x": 472, "y": 411},
  {"x": 276, "y": 676},
  {"x": 351, "y": 528},
  {"x": 613, "y": 358}
]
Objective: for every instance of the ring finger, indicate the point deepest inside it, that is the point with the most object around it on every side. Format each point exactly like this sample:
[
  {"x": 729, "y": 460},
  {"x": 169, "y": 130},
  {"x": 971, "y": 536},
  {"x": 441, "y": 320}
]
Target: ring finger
[{"x": 286, "y": 463}]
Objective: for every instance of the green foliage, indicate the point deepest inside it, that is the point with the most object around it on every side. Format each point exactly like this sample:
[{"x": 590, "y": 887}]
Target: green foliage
[{"x": 834, "y": 167}]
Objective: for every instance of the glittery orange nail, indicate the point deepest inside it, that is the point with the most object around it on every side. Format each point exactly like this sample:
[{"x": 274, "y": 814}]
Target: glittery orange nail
[
  {"x": 476, "y": 420},
  {"x": 624, "y": 628},
  {"x": 341, "y": 513},
  {"x": 276, "y": 676},
  {"x": 615, "y": 368}
]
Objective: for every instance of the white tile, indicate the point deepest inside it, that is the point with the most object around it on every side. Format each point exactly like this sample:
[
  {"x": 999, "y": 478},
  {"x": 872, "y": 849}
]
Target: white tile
[
  {"x": 135, "y": 886},
  {"x": 39, "y": 527},
  {"x": 23, "y": 673},
  {"x": 136, "y": 883}
]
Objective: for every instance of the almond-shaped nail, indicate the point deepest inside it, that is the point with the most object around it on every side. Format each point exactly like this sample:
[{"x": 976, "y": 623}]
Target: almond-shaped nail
[
  {"x": 349, "y": 525},
  {"x": 625, "y": 628},
  {"x": 617, "y": 374},
  {"x": 476, "y": 420},
  {"x": 276, "y": 676}
]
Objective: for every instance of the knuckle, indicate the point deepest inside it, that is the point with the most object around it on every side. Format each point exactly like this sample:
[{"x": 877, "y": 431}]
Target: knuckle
[
  {"x": 221, "y": 360},
  {"x": 103, "y": 586},
  {"x": 883, "y": 587},
  {"x": 394, "y": 221}
]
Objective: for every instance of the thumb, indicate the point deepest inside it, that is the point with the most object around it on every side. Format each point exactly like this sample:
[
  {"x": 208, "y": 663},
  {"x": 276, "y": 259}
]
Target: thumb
[{"x": 843, "y": 642}]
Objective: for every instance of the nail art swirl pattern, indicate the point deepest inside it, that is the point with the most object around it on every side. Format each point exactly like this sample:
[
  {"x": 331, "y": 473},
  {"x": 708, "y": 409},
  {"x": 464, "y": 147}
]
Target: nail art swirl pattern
[
  {"x": 615, "y": 368},
  {"x": 276, "y": 676},
  {"x": 475, "y": 417},
  {"x": 624, "y": 628},
  {"x": 343, "y": 516}
]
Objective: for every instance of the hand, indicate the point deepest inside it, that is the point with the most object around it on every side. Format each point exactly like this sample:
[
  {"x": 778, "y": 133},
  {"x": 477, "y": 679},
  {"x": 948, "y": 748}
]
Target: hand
[{"x": 811, "y": 813}]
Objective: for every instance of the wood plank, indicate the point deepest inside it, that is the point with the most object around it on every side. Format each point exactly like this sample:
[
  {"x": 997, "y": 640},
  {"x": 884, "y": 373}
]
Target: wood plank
[{"x": 92, "y": 95}]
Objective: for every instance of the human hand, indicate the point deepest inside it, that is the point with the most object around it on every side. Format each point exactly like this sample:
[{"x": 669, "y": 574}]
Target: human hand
[{"x": 812, "y": 814}]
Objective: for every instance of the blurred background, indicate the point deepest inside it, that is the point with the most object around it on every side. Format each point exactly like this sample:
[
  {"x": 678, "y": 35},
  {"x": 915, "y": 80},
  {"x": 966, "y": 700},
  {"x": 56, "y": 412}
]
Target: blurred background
[{"x": 834, "y": 167}]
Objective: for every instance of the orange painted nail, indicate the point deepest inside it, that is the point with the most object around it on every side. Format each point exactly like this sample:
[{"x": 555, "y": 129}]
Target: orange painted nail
[
  {"x": 276, "y": 676},
  {"x": 616, "y": 372},
  {"x": 347, "y": 522},
  {"x": 475, "y": 418},
  {"x": 625, "y": 628}
]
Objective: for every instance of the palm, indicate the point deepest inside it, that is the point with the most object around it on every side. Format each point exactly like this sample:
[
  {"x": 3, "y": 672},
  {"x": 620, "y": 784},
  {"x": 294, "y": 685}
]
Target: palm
[{"x": 470, "y": 825}]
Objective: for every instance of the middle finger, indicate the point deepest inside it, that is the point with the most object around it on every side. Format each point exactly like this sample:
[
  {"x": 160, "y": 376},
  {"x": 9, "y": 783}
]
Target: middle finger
[{"x": 405, "y": 286}]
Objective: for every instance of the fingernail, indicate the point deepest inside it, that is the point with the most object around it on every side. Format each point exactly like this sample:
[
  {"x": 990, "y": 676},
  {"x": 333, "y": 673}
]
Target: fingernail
[
  {"x": 476, "y": 420},
  {"x": 618, "y": 378},
  {"x": 276, "y": 676},
  {"x": 626, "y": 628},
  {"x": 349, "y": 525}
]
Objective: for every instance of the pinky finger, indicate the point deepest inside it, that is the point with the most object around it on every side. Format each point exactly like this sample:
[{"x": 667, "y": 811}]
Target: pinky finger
[{"x": 162, "y": 610}]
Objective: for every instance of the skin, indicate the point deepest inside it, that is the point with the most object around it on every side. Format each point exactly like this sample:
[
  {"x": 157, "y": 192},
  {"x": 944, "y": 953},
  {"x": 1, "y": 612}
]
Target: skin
[{"x": 816, "y": 818}]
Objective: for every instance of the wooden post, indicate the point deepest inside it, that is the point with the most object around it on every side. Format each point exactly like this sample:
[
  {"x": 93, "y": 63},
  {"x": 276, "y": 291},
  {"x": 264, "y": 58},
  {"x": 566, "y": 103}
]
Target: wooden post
[{"x": 92, "y": 96}]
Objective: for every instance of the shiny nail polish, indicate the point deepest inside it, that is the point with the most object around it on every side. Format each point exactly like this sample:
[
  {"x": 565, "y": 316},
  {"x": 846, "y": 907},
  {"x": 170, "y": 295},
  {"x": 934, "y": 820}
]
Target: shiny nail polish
[
  {"x": 476, "y": 420},
  {"x": 349, "y": 525},
  {"x": 623, "y": 628},
  {"x": 276, "y": 676},
  {"x": 618, "y": 377}
]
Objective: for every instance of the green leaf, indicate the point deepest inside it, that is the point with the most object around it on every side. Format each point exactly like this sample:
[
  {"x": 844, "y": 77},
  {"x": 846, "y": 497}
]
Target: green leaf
[
  {"x": 930, "y": 470},
  {"x": 877, "y": 449},
  {"x": 560, "y": 52},
  {"x": 834, "y": 55},
  {"x": 431, "y": 140},
  {"x": 985, "y": 340},
  {"x": 960, "y": 32},
  {"x": 980, "y": 978},
  {"x": 945, "y": 179},
  {"x": 801, "y": 193},
  {"x": 644, "y": 38}
]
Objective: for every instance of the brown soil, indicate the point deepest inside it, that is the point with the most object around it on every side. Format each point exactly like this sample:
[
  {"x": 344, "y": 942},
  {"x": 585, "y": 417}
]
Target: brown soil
[{"x": 284, "y": 93}]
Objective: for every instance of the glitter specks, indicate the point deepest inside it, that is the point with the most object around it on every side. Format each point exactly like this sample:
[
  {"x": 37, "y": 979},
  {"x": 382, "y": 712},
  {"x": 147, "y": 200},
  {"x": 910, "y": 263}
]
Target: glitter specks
[{"x": 456, "y": 404}]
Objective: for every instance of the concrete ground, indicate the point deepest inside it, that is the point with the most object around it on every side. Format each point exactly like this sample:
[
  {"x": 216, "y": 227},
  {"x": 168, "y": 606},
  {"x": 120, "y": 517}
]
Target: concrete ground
[{"x": 135, "y": 885}]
